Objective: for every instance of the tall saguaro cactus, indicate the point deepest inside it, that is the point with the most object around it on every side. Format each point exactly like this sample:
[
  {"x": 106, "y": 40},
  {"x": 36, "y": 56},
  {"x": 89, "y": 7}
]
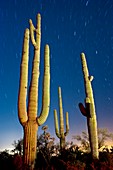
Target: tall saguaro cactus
[
  {"x": 60, "y": 132},
  {"x": 89, "y": 109},
  {"x": 28, "y": 116}
]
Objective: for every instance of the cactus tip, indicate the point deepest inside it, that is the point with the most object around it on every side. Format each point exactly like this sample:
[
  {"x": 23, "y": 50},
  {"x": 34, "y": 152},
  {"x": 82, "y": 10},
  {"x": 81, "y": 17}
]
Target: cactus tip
[
  {"x": 55, "y": 111},
  {"x": 30, "y": 21},
  {"x": 59, "y": 88},
  {"x": 27, "y": 31},
  {"x": 47, "y": 46},
  {"x": 38, "y": 16},
  {"x": 82, "y": 54}
]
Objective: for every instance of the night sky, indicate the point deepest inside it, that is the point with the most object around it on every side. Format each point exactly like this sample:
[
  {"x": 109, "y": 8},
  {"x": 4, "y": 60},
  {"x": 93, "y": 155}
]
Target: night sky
[{"x": 69, "y": 27}]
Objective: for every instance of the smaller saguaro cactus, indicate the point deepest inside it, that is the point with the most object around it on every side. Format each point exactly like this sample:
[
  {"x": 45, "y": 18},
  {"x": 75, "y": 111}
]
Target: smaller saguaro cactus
[
  {"x": 89, "y": 109},
  {"x": 60, "y": 132}
]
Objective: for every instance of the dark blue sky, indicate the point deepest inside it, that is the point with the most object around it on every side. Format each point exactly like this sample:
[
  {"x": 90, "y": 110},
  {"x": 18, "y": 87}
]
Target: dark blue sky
[{"x": 69, "y": 27}]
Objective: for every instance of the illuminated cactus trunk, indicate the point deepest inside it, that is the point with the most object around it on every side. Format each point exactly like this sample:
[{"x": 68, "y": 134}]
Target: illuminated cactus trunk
[
  {"x": 60, "y": 132},
  {"x": 28, "y": 115},
  {"x": 89, "y": 109}
]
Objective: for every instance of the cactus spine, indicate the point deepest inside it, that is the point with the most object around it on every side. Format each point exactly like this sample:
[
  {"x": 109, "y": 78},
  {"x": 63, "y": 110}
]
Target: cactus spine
[
  {"x": 89, "y": 109},
  {"x": 60, "y": 132},
  {"x": 28, "y": 116}
]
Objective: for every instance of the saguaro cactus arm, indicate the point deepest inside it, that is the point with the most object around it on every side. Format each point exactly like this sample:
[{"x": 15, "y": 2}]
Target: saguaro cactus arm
[
  {"x": 37, "y": 30},
  {"x": 33, "y": 94},
  {"x": 85, "y": 110},
  {"x": 22, "y": 112},
  {"x": 82, "y": 109},
  {"x": 56, "y": 124},
  {"x": 67, "y": 124},
  {"x": 46, "y": 89}
]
